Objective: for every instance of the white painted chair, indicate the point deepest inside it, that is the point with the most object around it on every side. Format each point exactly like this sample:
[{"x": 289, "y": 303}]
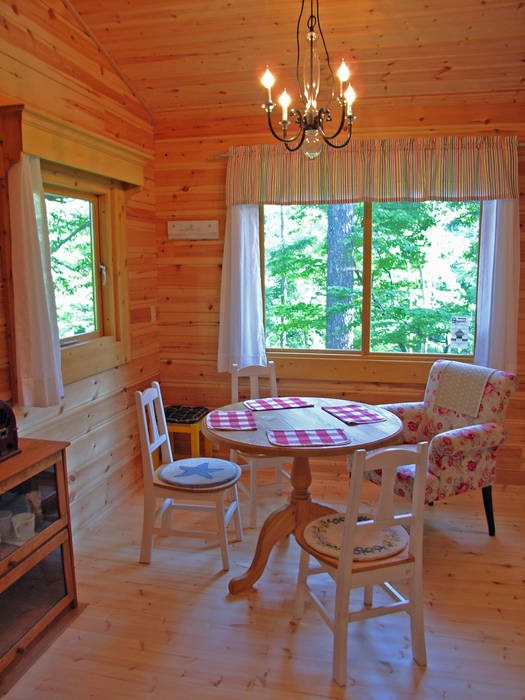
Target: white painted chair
[
  {"x": 187, "y": 484},
  {"x": 362, "y": 552},
  {"x": 257, "y": 375}
]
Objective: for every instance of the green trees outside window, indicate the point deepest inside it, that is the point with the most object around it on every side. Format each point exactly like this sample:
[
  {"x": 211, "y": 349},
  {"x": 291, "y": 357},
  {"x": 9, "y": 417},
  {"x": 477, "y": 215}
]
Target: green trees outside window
[
  {"x": 71, "y": 224},
  {"x": 394, "y": 277}
]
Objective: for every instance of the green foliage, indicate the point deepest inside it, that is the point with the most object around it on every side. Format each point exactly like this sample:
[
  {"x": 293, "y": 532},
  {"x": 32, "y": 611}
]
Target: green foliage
[
  {"x": 69, "y": 222},
  {"x": 424, "y": 271}
]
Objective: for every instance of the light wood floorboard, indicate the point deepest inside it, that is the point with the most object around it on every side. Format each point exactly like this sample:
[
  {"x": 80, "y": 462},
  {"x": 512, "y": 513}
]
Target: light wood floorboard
[{"x": 171, "y": 630}]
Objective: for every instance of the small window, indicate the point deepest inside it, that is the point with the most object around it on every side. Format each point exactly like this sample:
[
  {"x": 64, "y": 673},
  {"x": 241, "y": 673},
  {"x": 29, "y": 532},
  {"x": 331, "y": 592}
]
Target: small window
[
  {"x": 75, "y": 261},
  {"x": 86, "y": 216},
  {"x": 396, "y": 277}
]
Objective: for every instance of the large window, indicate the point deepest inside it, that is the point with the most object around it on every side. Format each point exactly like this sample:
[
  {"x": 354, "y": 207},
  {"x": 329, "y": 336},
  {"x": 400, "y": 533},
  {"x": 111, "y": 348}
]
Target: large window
[{"x": 396, "y": 277}]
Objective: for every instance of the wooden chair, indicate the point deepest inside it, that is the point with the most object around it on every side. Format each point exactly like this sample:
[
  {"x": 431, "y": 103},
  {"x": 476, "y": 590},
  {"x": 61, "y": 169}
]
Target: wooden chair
[
  {"x": 196, "y": 483},
  {"x": 257, "y": 375},
  {"x": 362, "y": 551},
  {"x": 463, "y": 448}
]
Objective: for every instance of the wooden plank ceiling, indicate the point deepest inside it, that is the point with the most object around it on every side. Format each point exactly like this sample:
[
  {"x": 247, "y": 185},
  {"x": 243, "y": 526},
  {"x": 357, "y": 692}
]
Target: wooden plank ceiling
[{"x": 205, "y": 54}]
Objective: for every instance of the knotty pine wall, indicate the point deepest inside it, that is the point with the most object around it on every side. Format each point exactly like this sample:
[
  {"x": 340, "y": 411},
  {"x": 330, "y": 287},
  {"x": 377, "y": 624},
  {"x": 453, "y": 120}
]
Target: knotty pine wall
[
  {"x": 49, "y": 63},
  {"x": 190, "y": 184}
]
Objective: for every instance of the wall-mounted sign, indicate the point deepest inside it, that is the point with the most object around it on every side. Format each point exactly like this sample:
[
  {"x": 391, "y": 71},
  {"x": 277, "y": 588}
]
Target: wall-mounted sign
[{"x": 196, "y": 230}]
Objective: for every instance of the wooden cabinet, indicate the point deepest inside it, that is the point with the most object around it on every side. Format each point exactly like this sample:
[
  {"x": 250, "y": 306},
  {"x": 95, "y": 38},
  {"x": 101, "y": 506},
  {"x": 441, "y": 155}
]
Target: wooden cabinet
[{"x": 37, "y": 575}]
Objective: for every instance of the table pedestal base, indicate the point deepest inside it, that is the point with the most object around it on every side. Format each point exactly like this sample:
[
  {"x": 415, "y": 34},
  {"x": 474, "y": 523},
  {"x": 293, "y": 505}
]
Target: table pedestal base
[{"x": 286, "y": 520}]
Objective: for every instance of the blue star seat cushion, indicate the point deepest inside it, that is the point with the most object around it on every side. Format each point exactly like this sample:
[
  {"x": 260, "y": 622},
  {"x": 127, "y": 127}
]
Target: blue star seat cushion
[{"x": 199, "y": 472}]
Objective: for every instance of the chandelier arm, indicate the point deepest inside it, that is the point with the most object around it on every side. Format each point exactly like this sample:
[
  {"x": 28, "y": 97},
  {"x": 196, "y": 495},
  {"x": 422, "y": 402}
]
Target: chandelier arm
[
  {"x": 289, "y": 148},
  {"x": 339, "y": 129},
  {"x": 280, "y": 138},
  {"x": 339, "y": 145}
]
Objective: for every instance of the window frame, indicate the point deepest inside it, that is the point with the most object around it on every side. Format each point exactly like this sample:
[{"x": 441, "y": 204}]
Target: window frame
[
  {"x": 85, "y": 356},
  {"x": 356, "y": 365}
]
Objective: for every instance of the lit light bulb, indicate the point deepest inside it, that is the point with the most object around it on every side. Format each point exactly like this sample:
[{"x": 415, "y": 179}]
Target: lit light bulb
[
  {"x": 349, "y": 97},
  {"x": 312, "y": 144},
  {"x": 284, "y": 101},
  {"x": 343, "y": 74},
  {"x": 268, "y": 80}
]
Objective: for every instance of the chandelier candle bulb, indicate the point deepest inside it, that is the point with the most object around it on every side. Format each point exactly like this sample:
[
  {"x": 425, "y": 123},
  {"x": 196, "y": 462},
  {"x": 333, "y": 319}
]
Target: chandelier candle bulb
[
  {"x": 268, "y": 80},
  {"x": 284, "y": 101},
  {"x": 349, "y": 97},
  {"x": 343, "y": 74}
]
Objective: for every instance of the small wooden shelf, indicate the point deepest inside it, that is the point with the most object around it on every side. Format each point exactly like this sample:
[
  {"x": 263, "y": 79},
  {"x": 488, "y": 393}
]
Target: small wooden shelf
[{"x": 37, "y": 576}]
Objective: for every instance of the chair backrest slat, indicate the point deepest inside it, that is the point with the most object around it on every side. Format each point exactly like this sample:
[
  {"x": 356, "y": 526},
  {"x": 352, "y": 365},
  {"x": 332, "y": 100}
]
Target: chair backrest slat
[{"x": 153, "y": 429}]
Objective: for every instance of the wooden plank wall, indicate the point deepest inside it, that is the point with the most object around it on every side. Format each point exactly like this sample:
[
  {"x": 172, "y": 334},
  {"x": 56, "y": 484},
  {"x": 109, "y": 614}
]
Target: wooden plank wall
[
  {"x": 190, "y": 184},
  {"x": 49, "y": 63}
]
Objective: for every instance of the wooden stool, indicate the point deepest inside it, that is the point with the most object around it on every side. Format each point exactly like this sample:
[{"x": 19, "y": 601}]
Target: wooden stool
[{"x": 187, "y": 419}]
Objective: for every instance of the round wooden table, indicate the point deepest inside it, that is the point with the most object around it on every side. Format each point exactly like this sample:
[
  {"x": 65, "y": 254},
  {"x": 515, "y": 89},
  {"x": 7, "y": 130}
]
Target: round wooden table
[{"x": 301, "y": 509}]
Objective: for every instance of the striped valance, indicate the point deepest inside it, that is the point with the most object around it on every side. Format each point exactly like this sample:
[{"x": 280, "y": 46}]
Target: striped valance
[{"x": 379, "y": 170}]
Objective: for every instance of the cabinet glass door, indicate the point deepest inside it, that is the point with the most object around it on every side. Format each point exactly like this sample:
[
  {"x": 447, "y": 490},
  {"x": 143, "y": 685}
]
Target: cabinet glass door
[
  {"x": 30, "y": 597},
  {"x": 28, "y": 509}
]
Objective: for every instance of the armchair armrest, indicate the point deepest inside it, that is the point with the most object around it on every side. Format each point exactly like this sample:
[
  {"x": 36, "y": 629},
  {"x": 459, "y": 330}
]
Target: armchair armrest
[
  {"x": 412, "y": 416},
  {"x": 465, "y": 458},
  {"x": 484, "y": 436}
]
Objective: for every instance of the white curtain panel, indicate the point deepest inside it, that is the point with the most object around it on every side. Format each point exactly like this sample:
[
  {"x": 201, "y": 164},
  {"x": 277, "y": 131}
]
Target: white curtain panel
[
  {"x": 36, "y": 332},
  {"x": 241, "y": 334},
  {"x": 498, "y": 286}
]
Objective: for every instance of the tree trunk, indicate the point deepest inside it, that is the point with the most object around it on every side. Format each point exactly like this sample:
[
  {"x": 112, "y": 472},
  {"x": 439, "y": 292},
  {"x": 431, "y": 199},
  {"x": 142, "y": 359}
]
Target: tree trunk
[{"x": 340, "y": 276}]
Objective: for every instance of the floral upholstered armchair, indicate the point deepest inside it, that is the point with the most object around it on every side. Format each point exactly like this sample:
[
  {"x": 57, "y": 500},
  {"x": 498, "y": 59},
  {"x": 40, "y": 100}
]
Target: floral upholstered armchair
[{"x": 463, "y": 447}]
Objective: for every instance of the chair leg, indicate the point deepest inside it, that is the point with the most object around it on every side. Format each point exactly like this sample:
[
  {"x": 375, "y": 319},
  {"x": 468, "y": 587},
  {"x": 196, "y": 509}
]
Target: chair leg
[
  {"x": 417, "y": 624},
  {"x": 301, "y": 583},
  {"x": 147, "y": 531},
  {"x": 340, "y": 629},
  {"x": 237, "y": 515},
  {"x": 368, "y": 595},
  {"x": 489, "y": 512},
  {"x": 278, "y": 481},
  {"x": 195, "y": 437},
  {"x": 167, "y": 518},
  {"x": 253, "y": 496},
  {"x": 221, "y": 529}
]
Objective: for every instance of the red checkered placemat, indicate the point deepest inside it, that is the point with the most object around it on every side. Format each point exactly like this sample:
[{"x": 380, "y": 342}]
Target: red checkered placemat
[
  {"x": 277, "y": 402},
  {"x": 231, "y": 420},
  {"x": 354, "y": 413},
  {"x": 305, "y": 438}
]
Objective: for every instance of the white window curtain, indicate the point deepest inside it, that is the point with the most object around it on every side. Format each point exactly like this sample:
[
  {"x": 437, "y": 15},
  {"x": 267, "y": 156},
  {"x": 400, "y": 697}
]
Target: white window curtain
[
  {"x": 37, "y": 343},
  {"x": 241, "y": 335},
  {"x": 498, "y": 287}
]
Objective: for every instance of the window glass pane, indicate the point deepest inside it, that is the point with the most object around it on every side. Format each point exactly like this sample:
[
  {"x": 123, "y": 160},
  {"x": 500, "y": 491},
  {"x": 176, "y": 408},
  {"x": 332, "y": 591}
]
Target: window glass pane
[
  {"x": 313, "y": 263},
  {"x": 71, "y": 239},
  {"x": 424, "y": 276}
]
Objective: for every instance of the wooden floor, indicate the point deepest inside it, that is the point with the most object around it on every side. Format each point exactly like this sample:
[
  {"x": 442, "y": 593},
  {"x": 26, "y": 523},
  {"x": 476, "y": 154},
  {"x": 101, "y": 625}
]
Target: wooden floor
[{"x": 170, "y": 630}]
